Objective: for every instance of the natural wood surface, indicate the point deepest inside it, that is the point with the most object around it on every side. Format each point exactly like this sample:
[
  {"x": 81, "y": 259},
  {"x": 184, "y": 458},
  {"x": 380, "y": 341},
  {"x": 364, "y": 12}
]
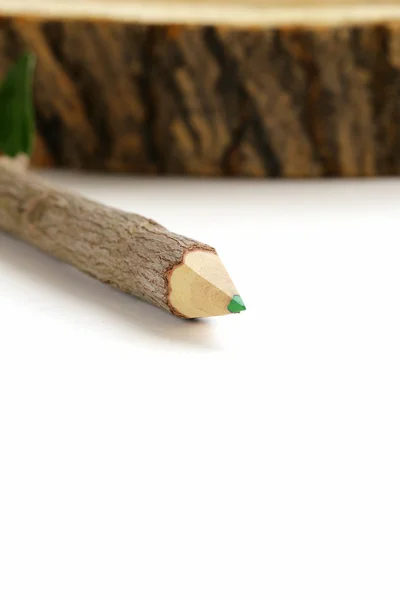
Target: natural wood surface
[
  {"x": 127, "y": 251},
  {"x": 220, "y": 12},
  {"x": 302, "y": 97}
]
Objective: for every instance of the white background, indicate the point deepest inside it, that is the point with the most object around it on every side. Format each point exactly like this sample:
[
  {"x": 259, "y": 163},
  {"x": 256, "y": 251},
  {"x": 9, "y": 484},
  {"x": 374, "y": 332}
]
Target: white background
[{"x": 249, "y": 457}]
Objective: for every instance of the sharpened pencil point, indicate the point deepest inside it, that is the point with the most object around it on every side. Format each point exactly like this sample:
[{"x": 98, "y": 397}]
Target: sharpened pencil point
[
  {"x": 201, "y": 287},
  {"x": 236, "y": 305}
]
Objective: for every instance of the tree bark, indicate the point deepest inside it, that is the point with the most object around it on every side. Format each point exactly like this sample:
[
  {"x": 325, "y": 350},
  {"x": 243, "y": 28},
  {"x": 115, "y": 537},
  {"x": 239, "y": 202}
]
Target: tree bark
[
  {"x": 289, "y": 101},
  {"x": 127, "y": 251}
]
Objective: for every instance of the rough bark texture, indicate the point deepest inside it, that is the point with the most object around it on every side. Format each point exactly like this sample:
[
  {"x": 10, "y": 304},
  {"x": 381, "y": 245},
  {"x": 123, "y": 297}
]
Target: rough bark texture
[
  {"x": 125, "y": 250},
  {"x": 289, "y": 102}
]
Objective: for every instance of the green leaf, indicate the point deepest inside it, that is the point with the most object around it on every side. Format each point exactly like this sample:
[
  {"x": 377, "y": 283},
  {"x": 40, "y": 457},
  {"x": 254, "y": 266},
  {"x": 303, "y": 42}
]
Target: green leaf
[{"x": 17, "y": 121}]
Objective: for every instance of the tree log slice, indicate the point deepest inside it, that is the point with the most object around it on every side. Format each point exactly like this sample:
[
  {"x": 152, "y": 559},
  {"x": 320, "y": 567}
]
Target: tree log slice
[{"x": 264, "y": 89}]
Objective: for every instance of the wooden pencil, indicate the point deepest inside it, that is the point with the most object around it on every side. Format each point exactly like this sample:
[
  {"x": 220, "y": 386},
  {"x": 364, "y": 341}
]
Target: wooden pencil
[{"x": 127, "y": 251}]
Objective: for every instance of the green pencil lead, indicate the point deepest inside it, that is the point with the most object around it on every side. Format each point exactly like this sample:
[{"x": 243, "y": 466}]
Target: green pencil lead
[
  {"x": 17, "y": 127},
  {"x": 236, "y": 305}
]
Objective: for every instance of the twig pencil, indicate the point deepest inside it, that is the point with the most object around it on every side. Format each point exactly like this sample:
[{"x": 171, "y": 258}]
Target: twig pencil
[{"x": 127, "y": 251}]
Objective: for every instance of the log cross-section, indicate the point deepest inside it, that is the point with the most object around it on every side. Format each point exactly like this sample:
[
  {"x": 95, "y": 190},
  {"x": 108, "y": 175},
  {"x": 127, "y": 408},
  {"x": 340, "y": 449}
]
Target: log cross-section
[{"x": 268, "y": 88}]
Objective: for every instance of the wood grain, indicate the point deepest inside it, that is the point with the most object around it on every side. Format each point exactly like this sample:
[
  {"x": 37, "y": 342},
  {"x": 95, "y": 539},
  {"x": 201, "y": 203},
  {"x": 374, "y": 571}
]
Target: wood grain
[{"x": 299, "y": 101}]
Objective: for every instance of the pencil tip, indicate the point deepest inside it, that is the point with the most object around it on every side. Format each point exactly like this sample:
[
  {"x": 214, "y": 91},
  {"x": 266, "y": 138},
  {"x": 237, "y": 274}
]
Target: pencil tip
[
  {"x": 236, "y": 305},
  {"x": 201, "y": 287}
]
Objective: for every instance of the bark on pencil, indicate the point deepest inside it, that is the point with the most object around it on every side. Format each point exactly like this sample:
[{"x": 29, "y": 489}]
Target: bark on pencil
[{"x": 127, "y": 251}]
